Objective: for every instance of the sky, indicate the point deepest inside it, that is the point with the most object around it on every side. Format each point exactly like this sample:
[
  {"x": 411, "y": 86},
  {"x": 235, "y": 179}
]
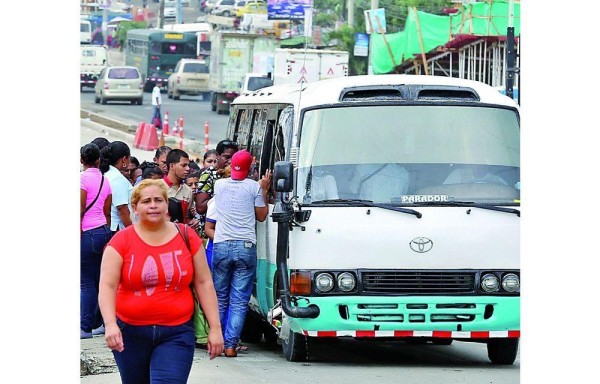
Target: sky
[{"x": 40, "y": 100}]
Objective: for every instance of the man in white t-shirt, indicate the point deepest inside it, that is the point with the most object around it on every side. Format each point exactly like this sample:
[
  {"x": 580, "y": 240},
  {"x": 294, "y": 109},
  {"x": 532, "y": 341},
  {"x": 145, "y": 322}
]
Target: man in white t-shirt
[
  {"x": 239, "y": 202},
  {"x": 156, "y": 103}
]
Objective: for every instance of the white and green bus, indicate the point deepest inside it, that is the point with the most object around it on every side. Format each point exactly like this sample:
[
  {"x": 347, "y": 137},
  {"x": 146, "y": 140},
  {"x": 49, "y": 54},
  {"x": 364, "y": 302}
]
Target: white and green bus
[{"x": 394, "y": 212}]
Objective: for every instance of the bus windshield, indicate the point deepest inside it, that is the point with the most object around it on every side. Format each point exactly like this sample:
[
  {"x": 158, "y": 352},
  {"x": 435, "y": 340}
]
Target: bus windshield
[{"x": 410, "y": 154}]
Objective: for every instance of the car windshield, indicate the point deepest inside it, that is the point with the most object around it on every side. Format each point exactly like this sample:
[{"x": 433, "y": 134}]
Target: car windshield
[
  {"x": 195, "y": 68},
  {"x": 255, "y": 83},
  {"x": 123, "y": 73},
  {"x": 405, "y": 155}
]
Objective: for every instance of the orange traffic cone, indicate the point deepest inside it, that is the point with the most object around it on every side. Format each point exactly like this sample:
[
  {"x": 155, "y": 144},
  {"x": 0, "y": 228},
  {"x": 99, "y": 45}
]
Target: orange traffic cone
[
  {"x": 165, "y": 125},
  {"x": 175, "y": 130},
  {"x": 205, "y": 136},
  {"x": 181, "y": 136},
  {"x": 161, "y": 140}
]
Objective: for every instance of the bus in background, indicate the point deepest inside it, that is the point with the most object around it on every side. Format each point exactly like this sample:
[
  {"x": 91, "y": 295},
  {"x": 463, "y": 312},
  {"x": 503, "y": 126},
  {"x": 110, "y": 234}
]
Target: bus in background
[
  {"x": 202, "y": 31},
  {"x": 156, "y": 52},
  {"x": 85, "y": 31},
  {"x": 395, "y": 212}
]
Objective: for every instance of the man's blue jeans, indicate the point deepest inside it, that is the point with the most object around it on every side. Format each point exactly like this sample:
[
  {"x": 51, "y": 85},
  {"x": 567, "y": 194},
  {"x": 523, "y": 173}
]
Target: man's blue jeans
[
  {"x": 92, "y": 246},
  {"x": 234, "y": 268},
  {"x": 155, "y": 114},
  {"x": 156, "y": 353}
]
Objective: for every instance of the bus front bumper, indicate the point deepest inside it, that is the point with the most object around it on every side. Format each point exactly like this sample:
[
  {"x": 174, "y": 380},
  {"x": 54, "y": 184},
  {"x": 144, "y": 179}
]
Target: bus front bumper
[{"x": 459, "y": 317}]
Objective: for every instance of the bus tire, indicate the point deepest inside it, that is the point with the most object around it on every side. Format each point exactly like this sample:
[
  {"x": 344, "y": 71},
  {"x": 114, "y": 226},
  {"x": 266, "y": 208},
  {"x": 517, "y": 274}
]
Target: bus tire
[
  {"x": 96, "y": 100},
  {"x": 140, "y": 101},
  {"x": 502, "y": 351},
  {"x": 295, "y": 347}
]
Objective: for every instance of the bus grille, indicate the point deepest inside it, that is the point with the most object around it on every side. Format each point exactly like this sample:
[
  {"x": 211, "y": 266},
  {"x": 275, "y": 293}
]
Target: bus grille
[{"x": 417, "y": 282}]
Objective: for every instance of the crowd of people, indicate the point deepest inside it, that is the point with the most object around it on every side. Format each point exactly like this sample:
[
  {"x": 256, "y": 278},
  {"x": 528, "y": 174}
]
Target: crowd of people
[{"x": 159, "y": 277}]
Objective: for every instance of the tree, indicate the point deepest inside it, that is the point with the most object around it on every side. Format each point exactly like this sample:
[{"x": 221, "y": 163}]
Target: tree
[
  {"x": 396, "y": 11},
  {"x": 125, "y": 26}
]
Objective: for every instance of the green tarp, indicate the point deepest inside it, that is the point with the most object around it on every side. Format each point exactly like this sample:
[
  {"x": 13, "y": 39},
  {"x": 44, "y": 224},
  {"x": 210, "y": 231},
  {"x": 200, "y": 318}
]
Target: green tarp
[{"x": 480, "y": 19}]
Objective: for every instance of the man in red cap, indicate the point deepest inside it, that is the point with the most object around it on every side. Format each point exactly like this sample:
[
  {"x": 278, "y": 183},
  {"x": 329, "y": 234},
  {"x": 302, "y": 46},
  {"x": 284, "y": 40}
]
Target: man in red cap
[{"x": 239, "y": 202}]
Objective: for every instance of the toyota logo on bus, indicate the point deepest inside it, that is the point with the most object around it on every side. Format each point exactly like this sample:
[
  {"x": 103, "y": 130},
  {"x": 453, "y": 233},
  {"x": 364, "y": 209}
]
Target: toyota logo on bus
[{"x": 421, "y": 244}]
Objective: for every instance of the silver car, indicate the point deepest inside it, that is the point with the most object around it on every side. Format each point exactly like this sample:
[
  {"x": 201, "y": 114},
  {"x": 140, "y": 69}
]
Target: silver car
[{"x": 123, "y": 83}]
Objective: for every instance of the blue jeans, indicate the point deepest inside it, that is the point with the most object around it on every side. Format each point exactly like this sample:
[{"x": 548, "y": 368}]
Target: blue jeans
[
  {"x": 234, "y": 268},
  {"x": 155, "y": 353},
  {"x": 155, "y": 114},
  {"x": 92, "y": 246}
]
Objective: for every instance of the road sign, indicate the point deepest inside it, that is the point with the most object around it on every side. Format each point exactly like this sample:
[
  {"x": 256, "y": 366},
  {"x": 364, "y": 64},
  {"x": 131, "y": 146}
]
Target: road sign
[{"x": 361, "y": 44}]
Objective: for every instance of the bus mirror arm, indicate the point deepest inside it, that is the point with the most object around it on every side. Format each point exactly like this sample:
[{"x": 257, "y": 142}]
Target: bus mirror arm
[{"x": 283, "y": 215}]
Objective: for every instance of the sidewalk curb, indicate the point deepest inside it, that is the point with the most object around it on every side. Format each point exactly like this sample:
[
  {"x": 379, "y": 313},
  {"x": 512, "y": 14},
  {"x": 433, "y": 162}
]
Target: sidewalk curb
[{"x": 126, "y": 130}]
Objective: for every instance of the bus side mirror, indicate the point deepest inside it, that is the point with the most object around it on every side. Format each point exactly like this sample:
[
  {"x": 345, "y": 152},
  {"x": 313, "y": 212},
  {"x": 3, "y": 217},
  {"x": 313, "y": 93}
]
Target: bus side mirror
[{"x": 282, "y": 176}]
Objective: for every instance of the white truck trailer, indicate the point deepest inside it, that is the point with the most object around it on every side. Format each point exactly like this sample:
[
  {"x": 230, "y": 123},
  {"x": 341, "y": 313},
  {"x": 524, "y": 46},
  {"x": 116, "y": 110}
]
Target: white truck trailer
[
  {"x": 294, "y": 66},
  {"x": 233, "y": 55}
]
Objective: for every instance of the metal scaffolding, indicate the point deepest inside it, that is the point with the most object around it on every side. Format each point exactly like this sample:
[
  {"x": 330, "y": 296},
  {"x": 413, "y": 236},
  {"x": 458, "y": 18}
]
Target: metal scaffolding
[{"x": 482, "y": 60}]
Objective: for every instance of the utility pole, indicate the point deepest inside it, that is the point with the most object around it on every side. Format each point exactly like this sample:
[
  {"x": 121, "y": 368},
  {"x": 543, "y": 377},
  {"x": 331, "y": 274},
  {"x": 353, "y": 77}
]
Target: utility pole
[
  {"x": 161, "y": 14},
  {"x": 351, "y": 13},
  {"x": 374, "y": 5},
  {"x": 510, "y": 52},
  {"x": 179, "y": 18}
]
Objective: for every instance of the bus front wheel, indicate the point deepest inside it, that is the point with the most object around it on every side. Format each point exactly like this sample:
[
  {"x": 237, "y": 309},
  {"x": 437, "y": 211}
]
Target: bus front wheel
[
  {"x": 502, "y": 351},
  {"x": 295, "y": 348}
]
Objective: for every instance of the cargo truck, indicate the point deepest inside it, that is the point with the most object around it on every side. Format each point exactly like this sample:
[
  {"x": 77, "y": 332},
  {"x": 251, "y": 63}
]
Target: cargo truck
[
  {"x": 233, "y": 55},
  {"x": 93, "y": 59}
]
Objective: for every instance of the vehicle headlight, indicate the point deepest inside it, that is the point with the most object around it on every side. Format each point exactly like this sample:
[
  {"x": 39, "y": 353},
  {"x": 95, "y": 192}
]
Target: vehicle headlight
[
  {"x": 490, "y": 283},
  {"x": 324, "y": 282},
  {"x": 511, "y": 282},
  {"x": 346, "y": 281}
]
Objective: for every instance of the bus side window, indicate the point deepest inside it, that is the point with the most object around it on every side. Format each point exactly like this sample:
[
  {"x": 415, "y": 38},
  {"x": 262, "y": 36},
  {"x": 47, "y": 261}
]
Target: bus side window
[{"x": 243, "y": 132}]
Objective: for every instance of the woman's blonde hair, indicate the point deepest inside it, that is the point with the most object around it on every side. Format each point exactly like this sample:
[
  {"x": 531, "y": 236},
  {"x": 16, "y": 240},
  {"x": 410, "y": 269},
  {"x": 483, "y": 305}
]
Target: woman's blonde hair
[{"x": 136, "y": 194}]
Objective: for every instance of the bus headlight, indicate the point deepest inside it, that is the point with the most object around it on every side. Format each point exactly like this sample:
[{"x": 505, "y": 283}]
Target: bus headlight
[
  {"x": 324, "y": 282},
  {"x": 346, "y": 281},
  {"x": 511, "y": 282},
  {"x": 490, "y": 283}
]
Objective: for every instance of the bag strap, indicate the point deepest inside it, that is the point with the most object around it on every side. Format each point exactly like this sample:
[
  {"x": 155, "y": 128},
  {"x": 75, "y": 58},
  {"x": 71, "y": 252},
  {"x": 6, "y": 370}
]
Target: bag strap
[
  {"x": 184, "y": 234},
  {"x": 94, "y": 202}
]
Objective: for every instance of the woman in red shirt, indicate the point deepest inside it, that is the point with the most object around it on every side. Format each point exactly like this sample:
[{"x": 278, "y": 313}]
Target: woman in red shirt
[{"x": 145, "y": 295}]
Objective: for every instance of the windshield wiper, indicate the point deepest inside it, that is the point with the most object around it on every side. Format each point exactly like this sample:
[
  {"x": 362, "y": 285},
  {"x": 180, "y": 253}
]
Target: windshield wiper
[
  {"x": 369, "y": 203},
  {"x": 472, "y": 204}
]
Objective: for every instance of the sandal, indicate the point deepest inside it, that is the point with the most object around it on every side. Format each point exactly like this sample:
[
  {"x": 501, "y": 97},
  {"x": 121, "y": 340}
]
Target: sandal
[{"x": 240, "y": 348}]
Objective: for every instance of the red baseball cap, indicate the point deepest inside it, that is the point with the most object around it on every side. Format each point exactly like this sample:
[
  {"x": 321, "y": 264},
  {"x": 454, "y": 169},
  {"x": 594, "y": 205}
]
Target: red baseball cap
[{"x": 240, "y": 164}]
